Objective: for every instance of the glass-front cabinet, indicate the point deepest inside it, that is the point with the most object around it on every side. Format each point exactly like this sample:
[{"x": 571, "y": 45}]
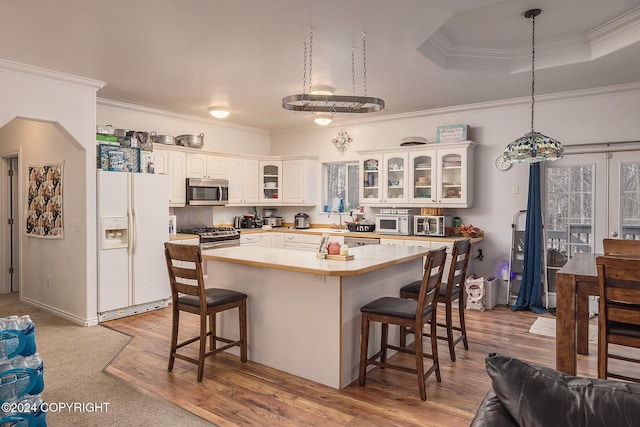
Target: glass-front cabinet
[
  {"x": 371, "y": 177},
  {"x": 270, "y": 176},
  {"x": 395, "y": 178},
  {"x": 434, "y": 175},
  {"x": 422, "y": 176},
  {"x": 450, "y": 184}
]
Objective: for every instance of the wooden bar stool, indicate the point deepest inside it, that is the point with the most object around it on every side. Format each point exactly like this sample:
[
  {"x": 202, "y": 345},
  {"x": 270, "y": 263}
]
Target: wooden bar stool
[
  {"x": 619, "y": 312},
  {"x": 406, "y": 313},
  {"x": 188, "y": 293},
  {"x": 452, "y": 290}
]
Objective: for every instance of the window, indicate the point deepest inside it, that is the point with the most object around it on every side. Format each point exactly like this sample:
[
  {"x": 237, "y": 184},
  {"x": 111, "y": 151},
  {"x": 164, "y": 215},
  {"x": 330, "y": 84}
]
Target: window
[{"x": 341, "y": 182}]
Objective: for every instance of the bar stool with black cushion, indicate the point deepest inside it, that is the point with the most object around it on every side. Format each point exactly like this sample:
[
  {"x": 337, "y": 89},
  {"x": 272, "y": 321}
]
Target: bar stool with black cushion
[
  {"x": 619, "y": 312},
  {"x": 449, "y": 292},
  {"x": 405, "y": 313},
  {"x": 188, "y": 293}
]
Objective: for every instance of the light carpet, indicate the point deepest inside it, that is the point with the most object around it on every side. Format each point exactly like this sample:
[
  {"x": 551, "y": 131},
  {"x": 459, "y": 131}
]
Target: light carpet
[
  {"x": 547, "y": 326},
  {"x": 74, "y": 359}
]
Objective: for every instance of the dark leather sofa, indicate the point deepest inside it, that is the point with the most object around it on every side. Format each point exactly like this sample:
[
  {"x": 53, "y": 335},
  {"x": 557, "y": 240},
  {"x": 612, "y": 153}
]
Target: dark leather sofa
[{"x": 528, "y": 395}]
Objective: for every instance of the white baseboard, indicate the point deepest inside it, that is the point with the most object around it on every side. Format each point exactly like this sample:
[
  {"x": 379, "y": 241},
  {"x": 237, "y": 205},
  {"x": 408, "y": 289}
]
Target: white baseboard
[
  {"x": 130, "y": 311},
  {"x": 60, "y": 313}
]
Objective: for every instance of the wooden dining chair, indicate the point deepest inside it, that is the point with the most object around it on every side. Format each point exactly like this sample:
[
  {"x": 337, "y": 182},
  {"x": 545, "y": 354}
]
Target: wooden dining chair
[
  {"x": 405, "y": 313},
  {"x": 449, "y": 292},
  {"x": 188, "y": 293},
  {"x": 619, "y": 311},
  {"x": 628, "y": 248}
]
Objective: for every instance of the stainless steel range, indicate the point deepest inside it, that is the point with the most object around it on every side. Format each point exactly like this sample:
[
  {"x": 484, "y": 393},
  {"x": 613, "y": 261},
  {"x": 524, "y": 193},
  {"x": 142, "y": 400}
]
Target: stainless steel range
[{"x": 215, "y": 237}]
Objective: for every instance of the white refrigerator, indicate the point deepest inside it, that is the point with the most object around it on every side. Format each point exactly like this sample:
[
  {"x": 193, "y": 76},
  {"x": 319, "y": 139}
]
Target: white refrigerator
[{"x": 133, "y": 212}]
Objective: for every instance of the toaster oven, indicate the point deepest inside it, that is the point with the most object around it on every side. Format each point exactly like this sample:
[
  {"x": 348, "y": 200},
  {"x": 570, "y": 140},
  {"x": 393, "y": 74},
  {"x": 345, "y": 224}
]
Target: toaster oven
[{"x": 432, "y": 225}]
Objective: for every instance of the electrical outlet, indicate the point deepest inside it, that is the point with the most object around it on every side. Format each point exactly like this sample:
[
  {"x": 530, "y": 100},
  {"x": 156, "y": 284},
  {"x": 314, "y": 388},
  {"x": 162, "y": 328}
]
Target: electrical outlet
[{"x": 515, "y": 189}]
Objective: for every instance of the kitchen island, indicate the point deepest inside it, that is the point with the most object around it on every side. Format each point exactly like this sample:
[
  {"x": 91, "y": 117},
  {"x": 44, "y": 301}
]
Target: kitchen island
[{"x": 304, "y": 312}]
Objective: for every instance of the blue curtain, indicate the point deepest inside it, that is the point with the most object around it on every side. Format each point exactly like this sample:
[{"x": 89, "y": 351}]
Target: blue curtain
[{"x": 530, "y": 294}]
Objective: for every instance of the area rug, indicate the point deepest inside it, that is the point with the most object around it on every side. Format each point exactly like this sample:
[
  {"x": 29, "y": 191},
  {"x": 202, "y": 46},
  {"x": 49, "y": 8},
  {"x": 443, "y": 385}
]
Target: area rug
[
  {"x": 547, "y": 326},
  {"x": 74, "y": 382}
]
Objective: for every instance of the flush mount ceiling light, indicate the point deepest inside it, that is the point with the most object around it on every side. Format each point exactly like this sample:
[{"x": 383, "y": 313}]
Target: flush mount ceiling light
[
  {"x": 218, "y": 112},
  {"x": 323, "y": 119},
  {"x": 533, "y": 146},
  {"x": 326, "y": 101}
]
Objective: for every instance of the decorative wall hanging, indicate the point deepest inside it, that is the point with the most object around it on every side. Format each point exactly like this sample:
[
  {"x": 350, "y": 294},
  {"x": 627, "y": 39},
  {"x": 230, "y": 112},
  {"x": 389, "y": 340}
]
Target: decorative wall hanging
[
  {"x": 44, "y": 201},
  {"x": 342, "y": 141}
]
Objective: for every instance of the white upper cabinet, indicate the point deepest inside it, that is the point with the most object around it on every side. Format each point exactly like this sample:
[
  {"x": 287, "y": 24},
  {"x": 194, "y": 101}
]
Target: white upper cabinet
[
  {"x": 395, "y": 179},
  {"x": 298, "y": 182},
  {"x": 160, "y": 160},
  {"x": 172, "y": 163},
  {"x": 422, "y": 176},
  {"x": 370, "y": 179},
  {"x": 205, "y": 166},
  {"x": 434, "y": 175},
  {"x": 270, "y": 181},
  {"x": 253, "y": 181},
  {"x": 384, "y": 179},
  {"x": 177, "y": 179},
  {"x": 243, "y": 176}
]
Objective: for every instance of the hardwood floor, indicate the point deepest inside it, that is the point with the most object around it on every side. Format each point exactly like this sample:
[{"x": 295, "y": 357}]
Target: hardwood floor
[{"x": 235, "y": 393}]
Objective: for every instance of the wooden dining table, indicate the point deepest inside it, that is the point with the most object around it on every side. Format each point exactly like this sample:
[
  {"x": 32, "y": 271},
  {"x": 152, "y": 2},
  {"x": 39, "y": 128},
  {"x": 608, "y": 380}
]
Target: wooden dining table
[{"x": 574, "y": 283}]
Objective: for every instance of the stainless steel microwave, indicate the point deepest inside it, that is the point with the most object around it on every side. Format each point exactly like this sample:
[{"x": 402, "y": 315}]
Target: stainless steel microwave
[
  {"x": 207, "y": 192},
  {"x": 437, "y": 225}
]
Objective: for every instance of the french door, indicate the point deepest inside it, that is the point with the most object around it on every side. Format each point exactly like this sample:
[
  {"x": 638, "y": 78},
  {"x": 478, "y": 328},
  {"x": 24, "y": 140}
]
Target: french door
[
  {"x": 624, "y": 196},
  {"x": 589, "y": 197}
]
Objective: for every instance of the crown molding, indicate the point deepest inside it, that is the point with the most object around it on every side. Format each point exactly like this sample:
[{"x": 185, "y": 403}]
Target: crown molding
[
  {"x": 612, "y": 36},
  {"x": 159, "y": 112},
  {"x": 615, "y": 34},
  {"x": 43, "y": 73}
]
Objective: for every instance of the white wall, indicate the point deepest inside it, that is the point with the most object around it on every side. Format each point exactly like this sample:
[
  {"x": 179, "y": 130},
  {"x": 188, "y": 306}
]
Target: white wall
[
  {"x": 608, "y": 114},
  {"x": 59, "y": 259},
  {"x": 68, "y": 103}
]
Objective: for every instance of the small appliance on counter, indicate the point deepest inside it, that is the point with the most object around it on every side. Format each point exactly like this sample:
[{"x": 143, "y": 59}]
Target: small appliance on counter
[
  {"x": 250, "y": 221},
  {"x": 302, "y": 220},
  {"x": 270, "y": 218},
  {"x": 395, "y": 221},
  {"x": 432, "y": 225}
]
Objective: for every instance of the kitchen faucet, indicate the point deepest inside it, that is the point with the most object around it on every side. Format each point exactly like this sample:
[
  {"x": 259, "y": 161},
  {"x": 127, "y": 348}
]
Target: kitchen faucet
[{"x": 339, "y": 218}]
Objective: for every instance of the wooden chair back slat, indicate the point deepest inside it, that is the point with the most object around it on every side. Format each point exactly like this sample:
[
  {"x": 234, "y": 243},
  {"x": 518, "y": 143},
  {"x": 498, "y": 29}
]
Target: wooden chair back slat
[
  {"x": 191, "y": 270},
  {"x": 619, "y": 308},
  {"x": 620, "y": 247}
]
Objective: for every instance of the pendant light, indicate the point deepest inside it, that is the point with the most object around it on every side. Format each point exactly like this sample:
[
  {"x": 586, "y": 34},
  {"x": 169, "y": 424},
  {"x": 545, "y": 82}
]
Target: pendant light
[
  {"x": 326, "y": 102},
  {"x": 533, "y": 146}
]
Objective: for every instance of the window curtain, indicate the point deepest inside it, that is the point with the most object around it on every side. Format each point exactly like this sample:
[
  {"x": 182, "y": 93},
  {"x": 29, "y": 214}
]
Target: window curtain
[
  {"x": 530, "y": 294},
  {"x": 336, "y": 181}
]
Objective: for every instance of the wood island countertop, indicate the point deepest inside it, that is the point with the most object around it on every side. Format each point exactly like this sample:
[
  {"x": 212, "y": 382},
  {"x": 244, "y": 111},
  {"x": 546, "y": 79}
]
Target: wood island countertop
[
  {"x": 366, "y": 259},
  {"x": 181, "y": 236}
]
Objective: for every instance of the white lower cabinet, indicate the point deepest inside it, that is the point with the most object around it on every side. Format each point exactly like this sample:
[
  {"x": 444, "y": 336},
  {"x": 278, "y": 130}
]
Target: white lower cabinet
[
  {"x": 277, "y": 240},
  {"x": 290, "y": 241},
  {"x": 387, "y": 241},
  {"x": 303, "y": 241},
  {"x": 257, "y": 239}
]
